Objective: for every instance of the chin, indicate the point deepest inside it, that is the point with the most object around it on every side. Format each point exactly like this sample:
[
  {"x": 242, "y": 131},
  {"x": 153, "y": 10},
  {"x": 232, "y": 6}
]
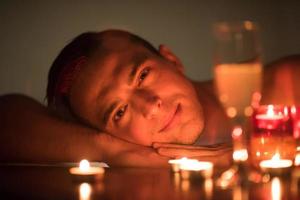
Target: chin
[{"x": 190, "y": 133}]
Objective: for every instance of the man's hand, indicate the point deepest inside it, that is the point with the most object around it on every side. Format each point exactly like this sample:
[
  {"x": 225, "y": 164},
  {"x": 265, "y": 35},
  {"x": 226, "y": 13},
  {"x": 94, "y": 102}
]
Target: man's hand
[
  {"x": 122, "y": 153},
  {"x": 220, "y": 155}
]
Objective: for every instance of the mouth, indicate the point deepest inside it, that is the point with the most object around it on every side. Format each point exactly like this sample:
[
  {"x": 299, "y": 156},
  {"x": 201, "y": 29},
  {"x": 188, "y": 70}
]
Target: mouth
[{"x": 171, "y": 120}]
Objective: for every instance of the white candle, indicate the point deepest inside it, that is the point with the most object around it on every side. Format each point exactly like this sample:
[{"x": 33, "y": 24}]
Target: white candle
[
  {"x": 195, "y": 169},
  {"x": 175, "y": 163},
  {"x": 85, "y": 169},
  {"x": 276, "y": 163}
]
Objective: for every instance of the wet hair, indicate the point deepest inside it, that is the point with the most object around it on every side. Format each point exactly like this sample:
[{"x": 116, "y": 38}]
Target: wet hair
[{"x": 83, "y": 45}]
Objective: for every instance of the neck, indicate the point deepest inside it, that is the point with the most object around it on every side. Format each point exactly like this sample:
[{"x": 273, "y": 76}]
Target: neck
[{"x": 217, "y": 125}]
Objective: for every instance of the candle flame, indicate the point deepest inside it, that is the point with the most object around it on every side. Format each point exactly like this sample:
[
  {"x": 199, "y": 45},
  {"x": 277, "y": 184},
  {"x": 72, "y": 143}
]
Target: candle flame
[
  {"x": 270, "y": 111},
  {"x": 293, "y": 110},
  {"x": 276, "y": 157},
  {"x": 84, "y": 165},
  {"x": 297, "y": 159}
]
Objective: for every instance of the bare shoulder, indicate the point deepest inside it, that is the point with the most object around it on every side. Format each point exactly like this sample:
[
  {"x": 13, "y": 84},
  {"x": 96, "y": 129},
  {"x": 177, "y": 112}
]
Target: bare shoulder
[
  {"x": 281, "y": 81},
  {"x": 16, "y": 103}
]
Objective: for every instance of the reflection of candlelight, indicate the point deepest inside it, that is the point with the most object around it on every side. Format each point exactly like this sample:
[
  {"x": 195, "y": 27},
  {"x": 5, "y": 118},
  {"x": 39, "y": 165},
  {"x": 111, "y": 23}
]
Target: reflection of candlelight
[
  {"x": 85, "y": 169},
  {"x": 276, "y": 189},
  {"x": 240, "y": 153},
  {"x": 227, "y": 178},
  {"x": 185, "y": 185},
  {"x": 208, "y": 188},
  {"x": 276, "y": 162},
  {"x": 85, "y": 191},
  {"x": 240, "y": 193},
  {"x": 176, "y": 180}
]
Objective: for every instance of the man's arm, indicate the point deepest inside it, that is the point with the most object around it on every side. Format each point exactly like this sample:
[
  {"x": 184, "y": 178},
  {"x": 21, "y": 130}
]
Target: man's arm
[
  {"x": 29, "y": 132},
  {"x": 281, "y": 81}
]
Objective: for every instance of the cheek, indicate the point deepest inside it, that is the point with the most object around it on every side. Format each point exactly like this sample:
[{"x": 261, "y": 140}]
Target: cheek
[
  {"x": 137, "y": 130},
  {"x": 141, "y": 130}
]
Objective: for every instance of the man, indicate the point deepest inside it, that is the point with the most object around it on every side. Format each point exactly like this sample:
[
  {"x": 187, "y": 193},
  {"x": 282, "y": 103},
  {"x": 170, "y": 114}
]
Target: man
[
  {"x": 122, "y": 85},
  {"x": 117, "y": 83}
]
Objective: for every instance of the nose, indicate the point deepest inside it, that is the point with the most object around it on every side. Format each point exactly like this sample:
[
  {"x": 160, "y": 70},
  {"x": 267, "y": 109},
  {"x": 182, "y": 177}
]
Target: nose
[{"x": 148, "y": 103}]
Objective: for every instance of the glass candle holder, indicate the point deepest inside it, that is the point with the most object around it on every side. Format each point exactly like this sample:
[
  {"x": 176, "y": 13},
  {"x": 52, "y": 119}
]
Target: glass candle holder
[
  {"x": 272, "y": 134},
  {"x": 295, "y": 115}
]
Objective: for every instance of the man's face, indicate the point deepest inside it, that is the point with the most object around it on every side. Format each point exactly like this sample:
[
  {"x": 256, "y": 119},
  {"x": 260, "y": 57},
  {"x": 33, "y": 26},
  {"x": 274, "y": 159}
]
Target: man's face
[{"x": 138, "y": 96}]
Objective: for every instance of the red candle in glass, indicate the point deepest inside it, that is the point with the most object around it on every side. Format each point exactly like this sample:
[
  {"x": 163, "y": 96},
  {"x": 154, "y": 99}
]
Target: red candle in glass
[
  {"x": 295, "y": 113},
  {"x": 272, "y": 118},
  {"x": 272, "y": 132}
]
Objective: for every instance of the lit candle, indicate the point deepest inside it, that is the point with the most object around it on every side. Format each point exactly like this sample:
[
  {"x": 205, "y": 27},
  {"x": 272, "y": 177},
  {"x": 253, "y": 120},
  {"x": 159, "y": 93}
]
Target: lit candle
[
  {"x": 175, "y": 163},
  {"x": 276, "y": 163},
  {"x": 295, "y": 112},
  {"x": 85, "y": 169},
  {"x": 196, "y": 170},
  {"x": 269, "y": 120}
]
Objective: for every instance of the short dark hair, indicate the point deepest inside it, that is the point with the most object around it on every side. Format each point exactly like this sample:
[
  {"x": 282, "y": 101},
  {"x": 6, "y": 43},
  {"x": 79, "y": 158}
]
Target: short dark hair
[{"x": 83, "y": 45}]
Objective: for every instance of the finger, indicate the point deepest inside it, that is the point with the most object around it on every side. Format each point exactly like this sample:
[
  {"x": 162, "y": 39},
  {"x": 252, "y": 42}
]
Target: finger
[
  {"x": 179, "y": 146},
  {"x": 175, "y": 152},
  {"x": 169, "y": 145}
]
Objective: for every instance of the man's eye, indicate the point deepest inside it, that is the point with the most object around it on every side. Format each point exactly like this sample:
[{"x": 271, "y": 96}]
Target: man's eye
[
  {"x": 120, "y": 113},
  {"x": 143, "y": 74}
]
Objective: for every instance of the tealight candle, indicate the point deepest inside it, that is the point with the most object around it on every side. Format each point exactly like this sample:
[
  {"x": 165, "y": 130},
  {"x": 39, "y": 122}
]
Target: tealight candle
[
  {"x": 85, "y": 169},
  {"x": 196, "y": 170},
  {"x": 175, "y": 163},
  {"x": 276, "y": 164},
  {"x": 269, "y": 120}
]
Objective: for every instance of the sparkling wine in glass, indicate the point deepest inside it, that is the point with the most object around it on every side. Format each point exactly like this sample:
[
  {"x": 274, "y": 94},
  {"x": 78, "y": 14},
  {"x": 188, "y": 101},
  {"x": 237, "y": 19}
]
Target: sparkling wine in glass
[{"x": 237, "y": 68}]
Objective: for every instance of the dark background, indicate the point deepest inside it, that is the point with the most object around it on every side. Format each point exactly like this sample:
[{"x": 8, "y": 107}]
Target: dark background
[{"x": 33, "y": 32}]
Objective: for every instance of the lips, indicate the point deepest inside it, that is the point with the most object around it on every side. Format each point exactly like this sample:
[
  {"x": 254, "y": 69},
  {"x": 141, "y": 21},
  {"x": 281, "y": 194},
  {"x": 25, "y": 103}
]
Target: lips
[{"x": 171, "y": 119}]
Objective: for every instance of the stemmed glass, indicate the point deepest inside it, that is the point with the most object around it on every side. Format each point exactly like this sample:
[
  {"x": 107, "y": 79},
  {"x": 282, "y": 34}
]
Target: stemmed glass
[
  {"x": 237, "y": 78},
  {"x": 237, "y": 68}
]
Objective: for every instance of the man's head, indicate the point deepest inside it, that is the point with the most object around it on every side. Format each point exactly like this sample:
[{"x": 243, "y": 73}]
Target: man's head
[{"x": 125, "y": 87}]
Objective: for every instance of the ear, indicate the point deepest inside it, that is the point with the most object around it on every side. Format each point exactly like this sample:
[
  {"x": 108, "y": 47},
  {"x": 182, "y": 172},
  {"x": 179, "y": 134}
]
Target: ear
[{"x": 171, "y": 57}]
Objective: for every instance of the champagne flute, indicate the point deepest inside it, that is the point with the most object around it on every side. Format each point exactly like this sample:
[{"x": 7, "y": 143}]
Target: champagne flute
[
  {"x": 237, "y": 68},
  {"x": 237, "y": 77}
]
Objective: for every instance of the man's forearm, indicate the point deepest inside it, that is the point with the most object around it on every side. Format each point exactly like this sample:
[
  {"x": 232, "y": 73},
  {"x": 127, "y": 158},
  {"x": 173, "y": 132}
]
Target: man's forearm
[{"x": 28, "y": 132}]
